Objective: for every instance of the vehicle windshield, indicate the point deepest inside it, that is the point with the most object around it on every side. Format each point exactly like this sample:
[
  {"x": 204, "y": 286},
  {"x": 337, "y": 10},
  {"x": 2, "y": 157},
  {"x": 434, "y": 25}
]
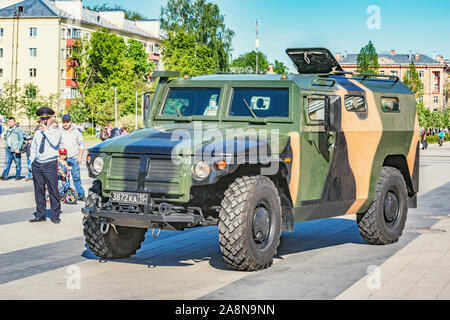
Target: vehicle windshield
[
  {"x": 188, "y": 102},
  {"x": 260, "y": 103}
]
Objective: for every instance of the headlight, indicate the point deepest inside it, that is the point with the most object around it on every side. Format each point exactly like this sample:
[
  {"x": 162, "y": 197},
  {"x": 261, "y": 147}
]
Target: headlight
[
  {"x": 201, "y": 171},
  {"x": 97, "y": 165}
]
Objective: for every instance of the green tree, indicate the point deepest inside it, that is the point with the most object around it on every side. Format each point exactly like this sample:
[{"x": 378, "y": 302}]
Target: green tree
[
  {"x": 413, "y": 82},
  {"x": 203, "y": 20},
  {"x": 10, "y": 98},
  {"x": 182, "y": 53},
  {"x": 280, "y": 67},
  {"x": 102, "y": 64},
  {"x": 78, "y": 111},
  {"x": 246, "y": 63},
  {"x": 30, "y": 102},
  {"x": 368, "y": 59},
  {"x": 142, "y": 66},
  {"x": 424, "y": 115},
  {"x": 129, "y": 14}
]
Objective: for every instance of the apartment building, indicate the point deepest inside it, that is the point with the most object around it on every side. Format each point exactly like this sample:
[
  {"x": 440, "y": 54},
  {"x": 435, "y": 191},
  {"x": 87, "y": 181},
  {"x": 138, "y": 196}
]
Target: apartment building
[
  {"x": 431, "y": 72},
  {"x": 38, "y": 36}
]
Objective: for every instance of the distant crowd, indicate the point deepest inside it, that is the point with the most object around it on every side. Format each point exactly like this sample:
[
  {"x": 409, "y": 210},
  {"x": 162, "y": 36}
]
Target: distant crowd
[{"x": 424, "y": 133}]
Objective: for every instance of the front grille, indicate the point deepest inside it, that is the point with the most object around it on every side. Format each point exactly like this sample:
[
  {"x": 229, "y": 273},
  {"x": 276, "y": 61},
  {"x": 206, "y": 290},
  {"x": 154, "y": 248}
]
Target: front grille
[
  {"x": 163, "y": 170},
  {"x": 124, "y": 168},
  {"x": 163, "y": 177}
]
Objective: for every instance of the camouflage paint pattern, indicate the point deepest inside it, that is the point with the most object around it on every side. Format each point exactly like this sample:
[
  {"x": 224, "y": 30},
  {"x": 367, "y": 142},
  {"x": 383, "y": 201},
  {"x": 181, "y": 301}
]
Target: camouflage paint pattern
[{"x": 323, "y": 181}]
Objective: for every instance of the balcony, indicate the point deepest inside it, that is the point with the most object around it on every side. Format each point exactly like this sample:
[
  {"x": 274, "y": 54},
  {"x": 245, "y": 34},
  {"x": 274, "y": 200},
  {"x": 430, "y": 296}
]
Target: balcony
[
  {"x": 154, "y": 56},
  {"x": 73, "y": 43},
  {"x": 71, "y": 83}
]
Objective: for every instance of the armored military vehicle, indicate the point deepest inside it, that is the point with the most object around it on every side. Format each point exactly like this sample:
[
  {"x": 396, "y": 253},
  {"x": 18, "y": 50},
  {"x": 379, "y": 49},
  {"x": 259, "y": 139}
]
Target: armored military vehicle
[{"x": 254, "y": 154}]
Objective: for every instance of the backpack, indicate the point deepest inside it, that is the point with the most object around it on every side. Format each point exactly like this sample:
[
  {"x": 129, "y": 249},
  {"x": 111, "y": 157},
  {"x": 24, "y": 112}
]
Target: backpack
[{"x": 26, "y": 136}]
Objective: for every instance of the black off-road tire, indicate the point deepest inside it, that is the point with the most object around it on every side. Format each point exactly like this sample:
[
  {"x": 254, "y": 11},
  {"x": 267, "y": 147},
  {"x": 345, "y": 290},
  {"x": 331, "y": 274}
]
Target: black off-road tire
[
  {"x": 119, "y": 242},
  {"x": 243, "y": 202},
  {"x": 374, "y": 226}
]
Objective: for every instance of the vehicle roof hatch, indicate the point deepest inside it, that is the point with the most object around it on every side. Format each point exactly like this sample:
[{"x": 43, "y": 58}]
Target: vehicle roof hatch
[{"x": 313, "y": 60}]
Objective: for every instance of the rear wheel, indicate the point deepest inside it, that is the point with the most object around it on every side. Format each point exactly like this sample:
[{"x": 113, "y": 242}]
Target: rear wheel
[
  {"x": 119, "y": 242},
  {"x": 385, "y": 220},
  {"x": 71, "y": 197},
  {"x": 250, "y": 223}
]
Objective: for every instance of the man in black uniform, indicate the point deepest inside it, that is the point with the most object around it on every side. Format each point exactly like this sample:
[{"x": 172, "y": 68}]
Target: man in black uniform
[{"x": 44, "y": 162}]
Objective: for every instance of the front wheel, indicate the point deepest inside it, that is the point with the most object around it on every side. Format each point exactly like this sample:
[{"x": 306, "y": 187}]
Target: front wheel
[
  {"x": 250, "y": 223},
  {"x": 119, "y": 242},
  {"x": 385, "y": 220}
]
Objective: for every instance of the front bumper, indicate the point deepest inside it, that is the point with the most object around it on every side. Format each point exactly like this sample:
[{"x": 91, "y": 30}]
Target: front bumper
[{"x": 165, "y": 216}]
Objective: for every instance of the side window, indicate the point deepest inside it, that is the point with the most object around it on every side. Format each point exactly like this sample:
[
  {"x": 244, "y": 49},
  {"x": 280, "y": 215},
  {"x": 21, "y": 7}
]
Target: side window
[
  {"x": 355, "y": 103},
  {"x": 390, "y": 104},
  {"x": 316, "y": 110}
]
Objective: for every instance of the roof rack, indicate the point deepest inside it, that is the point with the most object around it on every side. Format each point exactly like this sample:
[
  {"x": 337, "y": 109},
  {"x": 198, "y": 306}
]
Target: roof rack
[{"x": 363, "y": 75}]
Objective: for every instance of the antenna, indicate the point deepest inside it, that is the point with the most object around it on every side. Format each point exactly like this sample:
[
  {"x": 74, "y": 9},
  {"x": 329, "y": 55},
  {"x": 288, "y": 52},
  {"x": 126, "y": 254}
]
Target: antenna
[{"x": 257, "y": 45}]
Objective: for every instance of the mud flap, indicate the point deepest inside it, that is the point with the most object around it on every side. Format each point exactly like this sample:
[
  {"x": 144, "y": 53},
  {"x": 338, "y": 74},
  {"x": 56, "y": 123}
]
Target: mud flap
[{"x": 412, "y": 202}]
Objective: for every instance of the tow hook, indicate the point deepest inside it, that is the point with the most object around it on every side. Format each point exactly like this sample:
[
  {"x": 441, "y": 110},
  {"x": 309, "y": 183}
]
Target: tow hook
[
  {"x": 104, "y": 227},
  {"x": 165, "y": 209},
  {"x": 156, "y": 231}
]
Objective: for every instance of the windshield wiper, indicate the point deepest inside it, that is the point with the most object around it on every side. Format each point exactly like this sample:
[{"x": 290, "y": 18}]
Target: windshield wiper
[{"x": 250, "y": 109}]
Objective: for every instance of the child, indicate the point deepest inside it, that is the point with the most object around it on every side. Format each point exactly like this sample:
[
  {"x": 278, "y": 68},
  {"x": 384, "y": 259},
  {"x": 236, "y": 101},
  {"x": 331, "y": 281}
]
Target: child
[
  {"x": 28, "y": 151},
  {"x": 63, "y": 167}
]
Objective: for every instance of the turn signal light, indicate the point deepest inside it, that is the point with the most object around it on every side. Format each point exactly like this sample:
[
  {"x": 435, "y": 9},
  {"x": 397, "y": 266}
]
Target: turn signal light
[
  {"x": 221, "y": 165},
  {"x": 88, "y": 159}
]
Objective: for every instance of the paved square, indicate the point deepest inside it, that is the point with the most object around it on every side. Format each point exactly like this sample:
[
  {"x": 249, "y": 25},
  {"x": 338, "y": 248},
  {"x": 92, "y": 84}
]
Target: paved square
[{"x": 323, "y": 259}]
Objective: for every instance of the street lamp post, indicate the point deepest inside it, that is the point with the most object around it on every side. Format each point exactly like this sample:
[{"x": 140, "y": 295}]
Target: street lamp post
[{"x": 115, "y": 105}]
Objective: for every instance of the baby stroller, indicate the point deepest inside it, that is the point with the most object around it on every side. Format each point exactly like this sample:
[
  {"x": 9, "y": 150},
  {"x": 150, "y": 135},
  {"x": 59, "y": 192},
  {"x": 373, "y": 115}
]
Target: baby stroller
[{"x": 67, "y": 194}]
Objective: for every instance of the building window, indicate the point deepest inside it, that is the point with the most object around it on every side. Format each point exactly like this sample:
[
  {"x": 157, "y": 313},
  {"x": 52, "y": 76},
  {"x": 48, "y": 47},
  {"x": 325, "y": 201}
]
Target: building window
[
  {"x": 1, "y": 73},
  {"x": 382, "y": 72},
  {"x": 421, "y": 73},
  {"x": 436, "y": 75},
  {"x": 33, "y": 73},
  {"x": 1, "y": 32},
  {"x": 63, "y": 53},
  {"x": 63, "y": 33},
  {"x": 76, "y": 33},
  {"x": 436, "y": 87},
  {"x": 63, "y": 74},
  {"x": 33, "y": 32},
  {"x": 69, "y": 33},
  {"x": 435, "y": 99},
  {"x": 33, "y": 52},
  {"x": 1, "y": 52}
]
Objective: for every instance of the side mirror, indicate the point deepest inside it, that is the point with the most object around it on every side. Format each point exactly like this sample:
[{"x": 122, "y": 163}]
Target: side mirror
[{"x": 146, "y": 106}]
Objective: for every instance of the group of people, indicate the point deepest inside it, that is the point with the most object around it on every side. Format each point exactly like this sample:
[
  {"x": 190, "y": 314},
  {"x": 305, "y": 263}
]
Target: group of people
[
  {"x": 52, "y": 148},
  {"x": 110, "y": 132},
  {"x": 424, "y": 133}
]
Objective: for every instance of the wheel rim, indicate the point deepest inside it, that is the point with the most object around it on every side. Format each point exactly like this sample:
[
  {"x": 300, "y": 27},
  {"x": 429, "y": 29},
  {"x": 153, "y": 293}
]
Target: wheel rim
[
  {"x": 261, "y": 226},
  {"x": 391, "y": 207}
]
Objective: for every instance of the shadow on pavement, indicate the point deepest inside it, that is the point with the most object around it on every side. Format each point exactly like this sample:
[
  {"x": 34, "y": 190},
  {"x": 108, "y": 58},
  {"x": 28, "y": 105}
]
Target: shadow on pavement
[{"x": 199, "y": 245}]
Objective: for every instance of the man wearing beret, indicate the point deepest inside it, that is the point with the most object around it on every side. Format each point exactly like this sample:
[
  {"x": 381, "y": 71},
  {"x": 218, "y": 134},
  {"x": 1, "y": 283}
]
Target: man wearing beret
[{"x": 44, "y": 163}]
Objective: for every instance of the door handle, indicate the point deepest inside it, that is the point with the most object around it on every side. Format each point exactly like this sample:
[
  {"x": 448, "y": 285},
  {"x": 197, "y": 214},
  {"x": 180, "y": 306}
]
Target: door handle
[{"x": 331, "y": 141}]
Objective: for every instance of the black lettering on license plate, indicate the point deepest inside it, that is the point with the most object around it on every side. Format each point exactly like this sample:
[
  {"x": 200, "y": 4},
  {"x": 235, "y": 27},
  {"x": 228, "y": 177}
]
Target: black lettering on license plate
[{"x": 133, "y": 198}]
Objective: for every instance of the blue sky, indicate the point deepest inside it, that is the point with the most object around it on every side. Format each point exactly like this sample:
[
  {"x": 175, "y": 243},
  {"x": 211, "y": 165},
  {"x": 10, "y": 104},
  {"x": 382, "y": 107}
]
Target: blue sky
[{"x": 419, "y": 26}]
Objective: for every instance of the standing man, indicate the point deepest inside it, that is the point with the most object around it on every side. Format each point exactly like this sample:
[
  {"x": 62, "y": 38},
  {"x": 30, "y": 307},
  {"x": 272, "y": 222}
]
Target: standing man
[
  {"x": 72, "y": 140},
  {"x": 44, "y": 162},
  {"x": 13, "y": 144}
]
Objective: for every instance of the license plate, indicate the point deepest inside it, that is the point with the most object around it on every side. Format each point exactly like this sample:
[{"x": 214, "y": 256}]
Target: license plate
[{"x": 129, "y": 198}]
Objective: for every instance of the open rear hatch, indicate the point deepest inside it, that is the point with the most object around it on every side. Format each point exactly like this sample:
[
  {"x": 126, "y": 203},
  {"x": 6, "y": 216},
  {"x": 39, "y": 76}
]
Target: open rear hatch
[{"x": 313, "y": 60}]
